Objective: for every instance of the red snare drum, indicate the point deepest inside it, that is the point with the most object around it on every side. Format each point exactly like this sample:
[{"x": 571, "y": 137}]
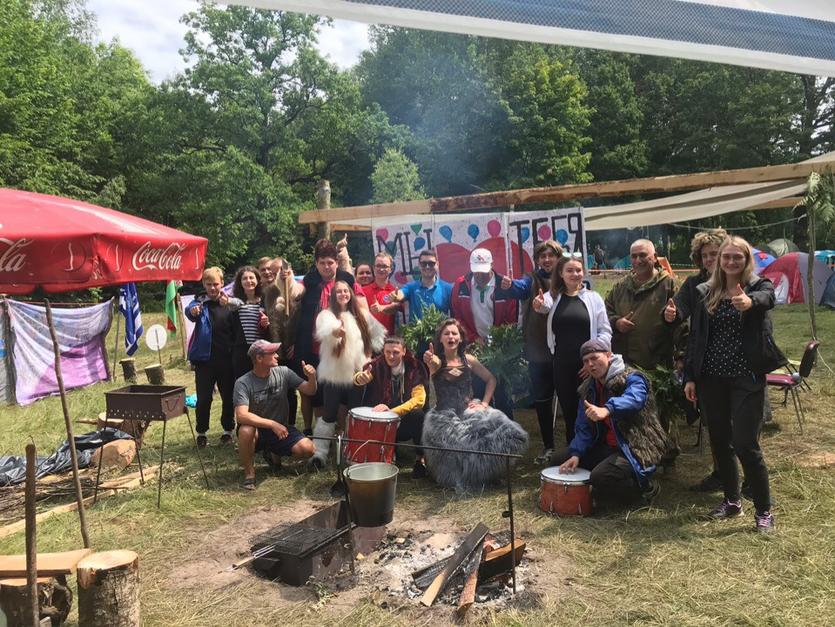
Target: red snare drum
[
  {"x": 565, "y": 494},
  {"x": 366, "y": 424}
]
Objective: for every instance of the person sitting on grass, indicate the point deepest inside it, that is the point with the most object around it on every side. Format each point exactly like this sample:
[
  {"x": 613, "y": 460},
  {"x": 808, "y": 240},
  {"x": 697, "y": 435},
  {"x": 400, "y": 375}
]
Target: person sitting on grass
[
  {"x": 396, "y": 381},
  {"x": 261, "y": 410},
  {"x": 617, "y": 433}
]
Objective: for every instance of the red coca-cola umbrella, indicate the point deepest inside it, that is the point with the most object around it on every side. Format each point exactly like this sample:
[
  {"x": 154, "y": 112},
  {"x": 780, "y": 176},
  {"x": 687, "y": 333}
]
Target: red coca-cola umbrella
[{"x": 60, "y": 244}]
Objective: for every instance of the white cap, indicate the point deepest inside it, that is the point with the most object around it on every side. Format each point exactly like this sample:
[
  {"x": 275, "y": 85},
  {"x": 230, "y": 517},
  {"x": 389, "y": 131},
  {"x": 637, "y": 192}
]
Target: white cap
[{"x": 481, "y": 260}]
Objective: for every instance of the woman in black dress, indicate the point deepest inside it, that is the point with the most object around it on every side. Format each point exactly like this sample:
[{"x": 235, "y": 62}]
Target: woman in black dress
[{"x": 575, "y": 315}]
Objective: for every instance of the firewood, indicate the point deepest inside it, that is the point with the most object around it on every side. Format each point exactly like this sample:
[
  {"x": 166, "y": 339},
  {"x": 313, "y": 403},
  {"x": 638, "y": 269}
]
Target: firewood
[
  {"x": 467, "y": 597},
  {"x": 472, "y": 540},
  {"x": 498, "y": 562},
  {"x": 108, "y": 590}
]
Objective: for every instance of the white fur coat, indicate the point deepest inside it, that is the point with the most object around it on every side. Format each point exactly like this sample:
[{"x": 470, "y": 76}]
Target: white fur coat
[{"x": 341, "y": 369}]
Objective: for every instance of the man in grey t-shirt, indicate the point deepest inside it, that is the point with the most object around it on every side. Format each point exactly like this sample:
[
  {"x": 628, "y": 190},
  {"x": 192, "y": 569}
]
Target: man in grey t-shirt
[{"x": 261, "y": 409}]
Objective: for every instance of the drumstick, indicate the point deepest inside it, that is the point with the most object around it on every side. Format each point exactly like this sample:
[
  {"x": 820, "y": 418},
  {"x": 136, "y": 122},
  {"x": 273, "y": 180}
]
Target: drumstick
[{"x": 287, "y": 290}]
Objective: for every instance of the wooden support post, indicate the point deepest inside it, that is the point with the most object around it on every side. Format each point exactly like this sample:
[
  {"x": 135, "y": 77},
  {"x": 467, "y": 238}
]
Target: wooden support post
[
  {"x": 82, "y": 519},
  {"x": 108, "y": 590},
  {"x": 323, "y": 203},
  {"x": 181, "y": 323},
  {"x": 34, "y": 613},
  {"x": 811, "y": 297}
]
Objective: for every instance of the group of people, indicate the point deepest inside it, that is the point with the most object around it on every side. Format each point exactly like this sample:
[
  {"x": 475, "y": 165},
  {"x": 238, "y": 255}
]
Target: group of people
[{"x": 335, "y": 333}]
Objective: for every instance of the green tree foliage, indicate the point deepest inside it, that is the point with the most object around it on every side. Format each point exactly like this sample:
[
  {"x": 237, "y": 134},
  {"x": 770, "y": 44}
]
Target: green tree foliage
[
  {"x": 395, "y": 178},
  {"x": 61, "y": 101}
]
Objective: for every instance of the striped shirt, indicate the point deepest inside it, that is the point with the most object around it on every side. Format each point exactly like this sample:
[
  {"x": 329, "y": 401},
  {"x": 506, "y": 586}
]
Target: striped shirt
[{"x": 250, "y": 315}]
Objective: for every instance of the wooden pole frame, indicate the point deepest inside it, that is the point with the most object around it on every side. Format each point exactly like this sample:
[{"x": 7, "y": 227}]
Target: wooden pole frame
[
  {"x": 68, "y": 424},
  {"x": 563, "y": 193}
]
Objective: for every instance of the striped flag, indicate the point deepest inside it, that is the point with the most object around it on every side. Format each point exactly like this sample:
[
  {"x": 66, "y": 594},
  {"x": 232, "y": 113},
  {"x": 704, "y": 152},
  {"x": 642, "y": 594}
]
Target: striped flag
[
  {"x": 171, "y": 306},
  {"x": 129, "y": 308}
]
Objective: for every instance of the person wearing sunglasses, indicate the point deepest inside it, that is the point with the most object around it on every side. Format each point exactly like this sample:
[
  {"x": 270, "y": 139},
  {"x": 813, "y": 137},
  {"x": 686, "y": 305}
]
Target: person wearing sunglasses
[{"x": 429, "y": 290}]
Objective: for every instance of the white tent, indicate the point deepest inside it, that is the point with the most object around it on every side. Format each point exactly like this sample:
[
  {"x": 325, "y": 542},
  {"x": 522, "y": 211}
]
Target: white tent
[{"x": 789, "y": 35}]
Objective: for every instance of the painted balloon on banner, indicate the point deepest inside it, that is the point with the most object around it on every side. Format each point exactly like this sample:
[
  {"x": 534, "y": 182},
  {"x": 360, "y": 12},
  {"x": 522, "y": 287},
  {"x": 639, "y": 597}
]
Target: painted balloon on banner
[
  {"x": 446, "y": 233},
  {"x": 473, "y": 231},
  {"x": 383, "y": 234},
  {"x": 419, "y": 243},
  {"x": 562, "y": 236},
  {"x": 417, "y": 228},
  {"x": 526, "y": 234},
  {"x": 544, "y": 232},
  {"x": 494, "y": 228}
]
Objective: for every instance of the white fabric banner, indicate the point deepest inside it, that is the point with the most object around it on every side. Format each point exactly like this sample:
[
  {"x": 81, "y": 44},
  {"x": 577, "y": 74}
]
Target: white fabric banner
[
  {"x": 789, "y": 35},
  {"x": 510, "y": 237}
]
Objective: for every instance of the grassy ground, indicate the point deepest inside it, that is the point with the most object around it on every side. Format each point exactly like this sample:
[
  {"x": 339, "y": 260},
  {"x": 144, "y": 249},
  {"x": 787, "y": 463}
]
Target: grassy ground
[{"x": 654, "y": 565}]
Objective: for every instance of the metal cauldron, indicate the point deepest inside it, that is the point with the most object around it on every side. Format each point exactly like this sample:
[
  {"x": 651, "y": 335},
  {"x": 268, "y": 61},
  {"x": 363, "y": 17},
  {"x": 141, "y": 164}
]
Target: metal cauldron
[{"x": 371, "y": 489}]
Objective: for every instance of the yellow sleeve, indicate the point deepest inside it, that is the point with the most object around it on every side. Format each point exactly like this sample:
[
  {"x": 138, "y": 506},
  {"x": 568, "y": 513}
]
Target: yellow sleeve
[{"x": 415, "y": 402}]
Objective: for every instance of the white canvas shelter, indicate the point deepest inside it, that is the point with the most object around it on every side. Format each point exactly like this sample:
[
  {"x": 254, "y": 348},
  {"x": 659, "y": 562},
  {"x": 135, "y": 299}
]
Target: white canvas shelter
[{"x": 789, "y": 35}]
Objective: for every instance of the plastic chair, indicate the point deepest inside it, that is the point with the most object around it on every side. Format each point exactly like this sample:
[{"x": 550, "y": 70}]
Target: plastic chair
[{"x": 792, "y": 382}]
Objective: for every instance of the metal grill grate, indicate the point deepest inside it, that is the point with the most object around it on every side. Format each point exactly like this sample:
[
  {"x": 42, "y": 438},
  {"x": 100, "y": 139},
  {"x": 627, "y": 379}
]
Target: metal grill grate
[{"x": 296, "y": 540}]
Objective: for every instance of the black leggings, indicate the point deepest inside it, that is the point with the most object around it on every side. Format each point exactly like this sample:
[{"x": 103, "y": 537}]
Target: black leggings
[
  {"x": 411, "y": 428},
  {"x": 566, "y": 382},
  {"x": 733, "y": 407},
  {"x": 542, "y": 392},
  {"x": 206, "y": 375},
  {"x": 335, "y": 394}
]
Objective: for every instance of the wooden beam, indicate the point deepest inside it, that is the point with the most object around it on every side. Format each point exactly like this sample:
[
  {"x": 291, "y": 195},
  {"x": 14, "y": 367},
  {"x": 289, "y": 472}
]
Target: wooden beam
[
  {"x": 49, "y": 564},
  {"x": 563, "y": 193}
]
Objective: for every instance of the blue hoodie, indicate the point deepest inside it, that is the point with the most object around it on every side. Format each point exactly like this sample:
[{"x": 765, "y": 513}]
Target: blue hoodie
[{"x": 587, "y": 433}]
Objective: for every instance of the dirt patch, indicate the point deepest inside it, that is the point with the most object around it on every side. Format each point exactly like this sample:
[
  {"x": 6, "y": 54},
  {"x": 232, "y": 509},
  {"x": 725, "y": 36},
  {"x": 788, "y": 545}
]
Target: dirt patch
[
  {"x": 817, "y": 460},
  {"x": 382, "y": 577}
]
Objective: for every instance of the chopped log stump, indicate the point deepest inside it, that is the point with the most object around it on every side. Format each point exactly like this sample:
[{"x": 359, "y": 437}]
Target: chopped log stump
[
  {"x": 108, "y": 590},
  {"x": 54, "y": 599},
  {"x": 117, "y": 455},
  {"x": 128, "y": 369},
  {"x": 155, "y": 374}
]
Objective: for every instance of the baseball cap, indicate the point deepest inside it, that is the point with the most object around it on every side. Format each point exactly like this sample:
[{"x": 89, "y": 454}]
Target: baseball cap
[
  {"x": 262, "y": 347},
  {"x": 481, "y": 260},
  {"x": 595, "y": 345}
]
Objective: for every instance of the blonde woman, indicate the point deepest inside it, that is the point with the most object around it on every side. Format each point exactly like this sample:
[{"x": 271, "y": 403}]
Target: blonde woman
[{"x": 729, "y": 351}]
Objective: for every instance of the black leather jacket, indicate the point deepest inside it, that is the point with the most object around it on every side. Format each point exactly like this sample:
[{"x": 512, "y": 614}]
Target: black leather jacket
[{"x": 761, "y": 353}]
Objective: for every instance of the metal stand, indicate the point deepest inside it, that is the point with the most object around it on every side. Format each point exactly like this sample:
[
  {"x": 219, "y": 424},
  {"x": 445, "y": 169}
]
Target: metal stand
[{"x": 162, "y": 455}]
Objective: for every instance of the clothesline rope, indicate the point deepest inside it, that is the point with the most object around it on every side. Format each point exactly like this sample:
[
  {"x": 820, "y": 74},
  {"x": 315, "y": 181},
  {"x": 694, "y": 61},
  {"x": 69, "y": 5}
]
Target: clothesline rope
[{"x": 741, "y": 228}]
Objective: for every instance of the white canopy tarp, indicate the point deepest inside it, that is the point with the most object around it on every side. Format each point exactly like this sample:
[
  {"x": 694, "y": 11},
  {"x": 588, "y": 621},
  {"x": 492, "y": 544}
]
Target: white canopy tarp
[
  {"x": 789, "y": 35},
  {"x": 703, "y": 203}
]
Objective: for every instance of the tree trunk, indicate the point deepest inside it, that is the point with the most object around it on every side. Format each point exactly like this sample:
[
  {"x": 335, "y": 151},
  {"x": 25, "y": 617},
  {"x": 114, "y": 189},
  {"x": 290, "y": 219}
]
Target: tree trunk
[
  {"x": 155, "y": 374},
  {"x": 128, "y": 369},
  {"x": 108, "y": 590},
  {"x": 54, "y": 598}
]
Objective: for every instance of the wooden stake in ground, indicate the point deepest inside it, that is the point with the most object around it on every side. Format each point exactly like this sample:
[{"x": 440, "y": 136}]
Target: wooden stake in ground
[
  {"x": 181, "y": 322},
  {"x": 31, "y": 538},
  {"x": 68, "y": 424},
  {"x": 108, "y": 590}
]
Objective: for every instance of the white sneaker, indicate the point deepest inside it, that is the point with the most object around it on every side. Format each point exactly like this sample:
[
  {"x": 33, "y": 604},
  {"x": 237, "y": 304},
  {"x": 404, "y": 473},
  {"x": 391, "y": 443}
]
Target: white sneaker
[{"x": 545, "y": 458}]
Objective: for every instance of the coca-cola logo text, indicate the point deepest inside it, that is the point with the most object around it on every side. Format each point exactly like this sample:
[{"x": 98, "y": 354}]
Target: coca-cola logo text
[
  {"x": 13, "y": 257},
  {"x": 148, "y": 258}
]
